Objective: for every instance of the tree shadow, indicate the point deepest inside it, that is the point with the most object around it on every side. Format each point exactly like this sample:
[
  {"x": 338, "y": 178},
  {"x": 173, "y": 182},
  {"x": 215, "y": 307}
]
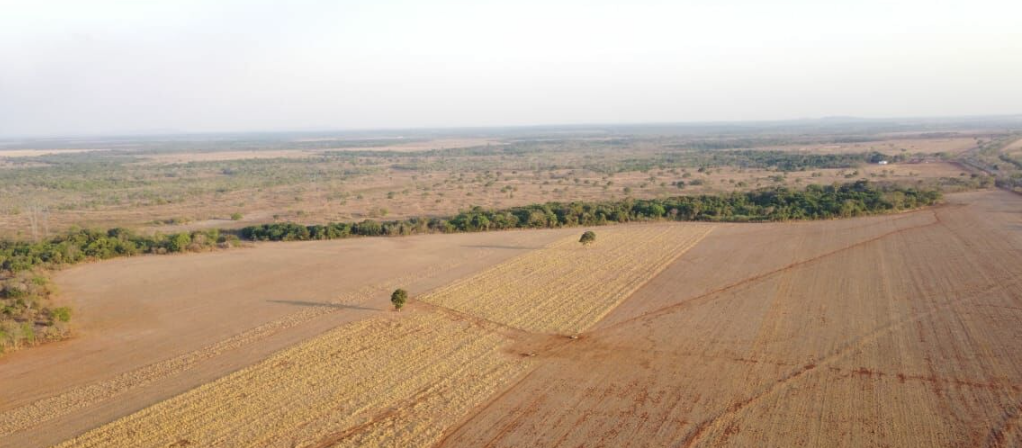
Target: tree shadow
[{"x": 323, "y": 305}]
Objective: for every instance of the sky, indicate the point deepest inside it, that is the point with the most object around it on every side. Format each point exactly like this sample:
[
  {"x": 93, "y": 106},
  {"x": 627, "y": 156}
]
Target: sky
[{"x": 82, "y": 67}]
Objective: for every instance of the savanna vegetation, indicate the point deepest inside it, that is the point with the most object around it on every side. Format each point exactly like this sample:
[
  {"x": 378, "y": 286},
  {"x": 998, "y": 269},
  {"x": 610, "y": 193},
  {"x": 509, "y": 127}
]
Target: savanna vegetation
[
  {"x": 27, "y": 314},
  {"x": 772, "y": 204}
]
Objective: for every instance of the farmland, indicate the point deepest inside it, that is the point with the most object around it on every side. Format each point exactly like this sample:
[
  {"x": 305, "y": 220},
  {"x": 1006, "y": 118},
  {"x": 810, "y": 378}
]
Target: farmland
[
  {"x": 563, "y": 290},
  {"x": 141, "y": 350},
  {"x": 705, "y": 313},
  {"x": 438, "y": 363},
  {"x": 721, "y": 335},
  {"x": 900, "y": 331}
]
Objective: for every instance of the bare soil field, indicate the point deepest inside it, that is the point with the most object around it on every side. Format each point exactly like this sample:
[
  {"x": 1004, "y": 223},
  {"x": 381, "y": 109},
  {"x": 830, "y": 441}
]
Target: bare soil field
[
  {"x": 897, "y": 330},
  {"x": 151, "y": 327},
  {"x": 403, "y": 382},
  {"x": 1014, "y": 149},
  {"x": 893, "y": 331}
]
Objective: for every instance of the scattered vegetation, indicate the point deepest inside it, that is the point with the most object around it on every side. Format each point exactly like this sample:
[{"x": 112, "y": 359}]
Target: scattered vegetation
[{"x": 27, "y": 314}]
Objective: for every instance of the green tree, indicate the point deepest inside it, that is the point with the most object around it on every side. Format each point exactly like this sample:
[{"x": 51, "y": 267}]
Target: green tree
[
  {"x": 398, "y": 298},
  {"x": 178, "y": 243},
  {"x": 589, "y": 237}
]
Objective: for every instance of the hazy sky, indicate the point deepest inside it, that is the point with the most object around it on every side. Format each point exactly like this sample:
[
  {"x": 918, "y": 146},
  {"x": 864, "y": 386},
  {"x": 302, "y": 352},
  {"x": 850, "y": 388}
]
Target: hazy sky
[{"x": 83, "y": 66}]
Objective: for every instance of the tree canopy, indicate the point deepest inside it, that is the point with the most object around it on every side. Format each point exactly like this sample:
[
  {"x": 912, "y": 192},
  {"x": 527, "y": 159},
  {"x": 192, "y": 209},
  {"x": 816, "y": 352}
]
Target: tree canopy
[
  {"x": 398, "y": 298},
  {"x": 588, "y": 237}
]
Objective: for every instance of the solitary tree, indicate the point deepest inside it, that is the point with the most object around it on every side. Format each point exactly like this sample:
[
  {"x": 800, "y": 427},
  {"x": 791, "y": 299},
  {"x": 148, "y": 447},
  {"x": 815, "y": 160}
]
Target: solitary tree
[
  {"x": 398, "y": 298},
  {"x": 587, "y": 238}
]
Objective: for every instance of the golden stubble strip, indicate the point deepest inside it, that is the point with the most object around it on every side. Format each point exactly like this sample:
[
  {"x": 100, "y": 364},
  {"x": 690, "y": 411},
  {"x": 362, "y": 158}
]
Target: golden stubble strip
[
  {"x": 400, "y": 380},
  {"x": 403, "y": 379},
  {"x": 87, "y": 395},
  {"x": 565, "y": 288}
]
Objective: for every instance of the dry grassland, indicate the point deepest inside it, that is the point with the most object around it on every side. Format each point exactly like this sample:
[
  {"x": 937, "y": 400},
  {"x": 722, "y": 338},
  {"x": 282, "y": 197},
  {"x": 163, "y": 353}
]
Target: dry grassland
[
  {"x": 566, "y": 288},
  {"x": 951, "y": 145}
]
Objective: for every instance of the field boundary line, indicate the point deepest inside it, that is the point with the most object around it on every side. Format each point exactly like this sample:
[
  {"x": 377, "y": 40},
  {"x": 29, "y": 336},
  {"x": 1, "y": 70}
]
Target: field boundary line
[
  {"x": 449, "y": 432},
  {"x": 666, "y": 264},
  {"x": 83, "y": 396}
]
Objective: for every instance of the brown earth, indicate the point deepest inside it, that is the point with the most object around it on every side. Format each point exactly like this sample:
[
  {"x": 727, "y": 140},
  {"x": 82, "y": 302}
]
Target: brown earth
[
  {"x": 898, "y": 330},
  {"x": 151, "y": 327},
  {"x": 893, "y": 331}
]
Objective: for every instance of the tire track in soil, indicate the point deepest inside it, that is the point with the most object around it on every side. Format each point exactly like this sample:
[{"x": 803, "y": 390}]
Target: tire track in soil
[
  {"x": 729, "y": 412},
  {"x": 709, "y": 296},
  {"x": 483, "y": 406},
  {"x": 645, "y": 317}
]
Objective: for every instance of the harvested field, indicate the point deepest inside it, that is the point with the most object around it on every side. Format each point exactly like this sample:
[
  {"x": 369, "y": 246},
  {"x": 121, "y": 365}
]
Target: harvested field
[
  {"x": 402, "y": 381},
  {"x": 898, "y": 330},
  {"x": 565, "y": 288},
  {"x": 176, "y": 322},
  {"x": 894, "y": 331},
  {"x": 395, "y": 380}
]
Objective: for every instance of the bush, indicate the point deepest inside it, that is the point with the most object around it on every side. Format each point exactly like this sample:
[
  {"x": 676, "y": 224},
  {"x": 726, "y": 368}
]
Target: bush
[
  {"x": 398, "y": 298},
  {"x": 62, "y": 314},
  {"x": 589, "y": 237}
]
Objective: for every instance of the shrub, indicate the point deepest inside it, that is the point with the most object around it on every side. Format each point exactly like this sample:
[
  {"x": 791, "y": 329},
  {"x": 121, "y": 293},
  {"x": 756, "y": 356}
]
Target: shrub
[
  {"x": 398, "y": 298},
  {"x": 62, "y": 314},
  {"x": 589, "y": 237}
]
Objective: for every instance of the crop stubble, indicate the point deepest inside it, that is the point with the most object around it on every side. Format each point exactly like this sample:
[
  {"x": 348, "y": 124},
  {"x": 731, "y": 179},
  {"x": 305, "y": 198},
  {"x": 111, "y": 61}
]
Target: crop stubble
[
  {"x": 404, "y": 380},
  {"x": 898, "y": 334}
]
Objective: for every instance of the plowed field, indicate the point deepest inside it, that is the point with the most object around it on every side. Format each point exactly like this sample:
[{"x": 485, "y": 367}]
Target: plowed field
[{"x": 901, "y": 330}]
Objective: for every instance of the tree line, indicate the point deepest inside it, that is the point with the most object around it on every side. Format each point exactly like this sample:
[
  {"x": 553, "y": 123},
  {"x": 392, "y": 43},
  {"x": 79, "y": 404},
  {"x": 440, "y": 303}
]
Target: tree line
[
  {"x": 27, "y": 316},
  {"x": 771, "y": 204}
]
